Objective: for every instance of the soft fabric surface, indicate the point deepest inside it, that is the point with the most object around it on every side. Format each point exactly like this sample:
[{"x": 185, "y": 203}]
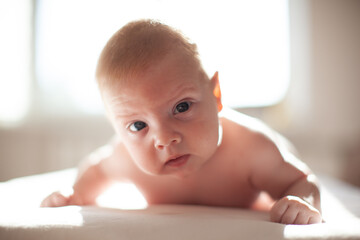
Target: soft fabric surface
[{"x": 20, "y": 217}]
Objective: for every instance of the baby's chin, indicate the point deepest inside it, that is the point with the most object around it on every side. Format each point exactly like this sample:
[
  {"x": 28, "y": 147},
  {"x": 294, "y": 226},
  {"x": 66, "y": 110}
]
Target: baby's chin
[
  {"x": 180, "y": 173},
  {"x": 183, "y": 174},
  {"x": 187, "y": 172}
]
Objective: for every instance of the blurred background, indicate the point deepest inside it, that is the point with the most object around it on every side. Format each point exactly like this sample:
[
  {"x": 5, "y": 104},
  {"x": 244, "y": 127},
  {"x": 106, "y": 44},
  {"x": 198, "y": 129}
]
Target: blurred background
[{"x": 295, "y": 64}]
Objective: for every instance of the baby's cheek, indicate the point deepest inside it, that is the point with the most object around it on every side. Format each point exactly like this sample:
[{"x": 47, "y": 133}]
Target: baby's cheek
[
  {"x": 143, "y": 158},
  {"x": 206, "y": 137}
]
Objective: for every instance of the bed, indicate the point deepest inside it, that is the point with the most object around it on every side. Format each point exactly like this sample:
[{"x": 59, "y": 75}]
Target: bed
[{"x": 21, "y": 218}]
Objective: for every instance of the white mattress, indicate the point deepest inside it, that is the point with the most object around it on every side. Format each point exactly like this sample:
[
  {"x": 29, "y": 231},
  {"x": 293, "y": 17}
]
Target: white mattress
[{"x": 21, "y": 218}]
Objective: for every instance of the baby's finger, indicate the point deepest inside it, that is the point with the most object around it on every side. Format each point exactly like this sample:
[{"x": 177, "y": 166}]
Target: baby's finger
[
  {"x": 302, "y": 218},
  {"x": 59, "y": 200},
  {"x": 290, "y": 215},
  {"x": 316, "y": 218},
  {"x": 45, "y": 202},
  {"x": 278, "y": 210}
]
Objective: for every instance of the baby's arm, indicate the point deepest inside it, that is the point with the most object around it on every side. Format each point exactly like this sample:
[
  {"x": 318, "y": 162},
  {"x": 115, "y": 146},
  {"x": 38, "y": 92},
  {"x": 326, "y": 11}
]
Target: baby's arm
[
  {"x": 91, "y": 181},
  {"x": 289, "y": 182}
]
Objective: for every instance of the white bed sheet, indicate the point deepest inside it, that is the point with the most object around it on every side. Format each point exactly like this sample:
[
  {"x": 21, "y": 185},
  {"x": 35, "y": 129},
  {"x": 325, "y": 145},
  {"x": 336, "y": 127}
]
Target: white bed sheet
[{"x": 21, "y": 218}]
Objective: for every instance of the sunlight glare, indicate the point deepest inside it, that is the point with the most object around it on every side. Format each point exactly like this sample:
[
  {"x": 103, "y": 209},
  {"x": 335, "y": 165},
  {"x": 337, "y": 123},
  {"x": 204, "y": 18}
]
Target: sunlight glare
[{"x": 122, "y": 196}]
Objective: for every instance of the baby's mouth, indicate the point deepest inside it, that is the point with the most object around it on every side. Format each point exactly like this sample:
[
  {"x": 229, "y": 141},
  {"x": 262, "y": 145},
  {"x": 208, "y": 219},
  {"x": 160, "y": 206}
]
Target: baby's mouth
[{"x": 177, "y": 161}]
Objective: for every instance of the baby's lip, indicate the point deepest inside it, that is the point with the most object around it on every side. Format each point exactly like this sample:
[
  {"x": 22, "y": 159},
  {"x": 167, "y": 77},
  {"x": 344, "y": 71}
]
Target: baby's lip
[{"x": 177, "y": 160}]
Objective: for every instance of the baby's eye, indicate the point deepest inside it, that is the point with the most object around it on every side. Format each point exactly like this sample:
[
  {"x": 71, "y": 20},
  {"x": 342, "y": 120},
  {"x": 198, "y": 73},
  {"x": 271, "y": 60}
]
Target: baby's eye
[
  {"x": 137, "y": 126},
  {"x": 182, "y": 107}
]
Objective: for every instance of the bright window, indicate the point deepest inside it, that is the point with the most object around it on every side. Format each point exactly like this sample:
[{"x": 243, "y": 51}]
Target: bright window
[
  {"x": 245, "y": 40},
  {"x": 15, "y": 60}
]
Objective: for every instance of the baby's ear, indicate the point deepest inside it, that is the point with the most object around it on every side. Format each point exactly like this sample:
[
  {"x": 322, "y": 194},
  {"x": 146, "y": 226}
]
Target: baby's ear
[{"x": 216, "y": 90}]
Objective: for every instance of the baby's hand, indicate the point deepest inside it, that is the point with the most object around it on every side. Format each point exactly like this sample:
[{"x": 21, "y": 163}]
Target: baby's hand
[
  {"x": 60, "y": 199},
  {"x": 56, "y": 199},
  {"x": 294, "y": 210}
]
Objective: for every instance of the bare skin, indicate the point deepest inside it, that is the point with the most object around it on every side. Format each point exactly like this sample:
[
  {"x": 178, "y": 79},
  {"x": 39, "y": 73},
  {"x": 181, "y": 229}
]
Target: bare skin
[{"x": 173, "y": 144}]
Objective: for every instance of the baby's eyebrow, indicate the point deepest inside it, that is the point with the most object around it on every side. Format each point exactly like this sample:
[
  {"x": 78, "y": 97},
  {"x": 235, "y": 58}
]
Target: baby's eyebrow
[
  {"x": 119, "y": 112},
  {"x": 183, "y": 91},
  {"x": 118, "y": 100},
  {"x": 125, "y": 115}
]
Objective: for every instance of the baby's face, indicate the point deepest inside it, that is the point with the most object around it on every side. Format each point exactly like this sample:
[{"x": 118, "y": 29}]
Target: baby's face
[{"x": 167, "y": 118}]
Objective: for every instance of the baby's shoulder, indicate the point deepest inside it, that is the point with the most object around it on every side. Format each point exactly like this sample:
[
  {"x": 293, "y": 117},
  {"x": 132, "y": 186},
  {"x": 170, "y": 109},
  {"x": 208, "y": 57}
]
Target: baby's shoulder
[
  {"x": 243, "y": 123},
  {"x": 254, "y": 143},
  {"x": 246, "y": 131}
]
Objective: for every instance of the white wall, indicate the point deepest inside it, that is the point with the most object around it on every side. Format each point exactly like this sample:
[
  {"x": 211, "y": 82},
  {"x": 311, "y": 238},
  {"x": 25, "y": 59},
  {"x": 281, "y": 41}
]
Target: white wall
[
  {"x": 323, "y": 101},
  {"x": 49, "y": 144}
]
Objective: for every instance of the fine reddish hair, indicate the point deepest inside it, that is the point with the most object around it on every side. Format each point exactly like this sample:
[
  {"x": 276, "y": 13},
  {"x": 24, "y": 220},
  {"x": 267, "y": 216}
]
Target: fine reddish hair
[{"x": 138, "y": 45}]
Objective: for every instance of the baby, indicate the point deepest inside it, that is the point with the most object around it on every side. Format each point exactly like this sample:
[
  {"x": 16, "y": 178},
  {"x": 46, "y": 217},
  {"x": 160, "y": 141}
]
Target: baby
[{"x": 175, "y": 141}]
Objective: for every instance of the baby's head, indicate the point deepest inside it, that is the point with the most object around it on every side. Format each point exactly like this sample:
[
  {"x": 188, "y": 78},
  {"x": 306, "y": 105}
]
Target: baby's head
[
  {"x": 139, "y": 45},
  {"x": 159, "y": 99}
]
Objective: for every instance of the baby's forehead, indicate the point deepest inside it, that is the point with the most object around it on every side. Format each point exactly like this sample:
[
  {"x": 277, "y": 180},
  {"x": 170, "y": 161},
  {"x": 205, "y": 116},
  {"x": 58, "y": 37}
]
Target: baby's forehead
[
  {"x": 168, "y": 75},
  {"x": 172, "y": 65}
]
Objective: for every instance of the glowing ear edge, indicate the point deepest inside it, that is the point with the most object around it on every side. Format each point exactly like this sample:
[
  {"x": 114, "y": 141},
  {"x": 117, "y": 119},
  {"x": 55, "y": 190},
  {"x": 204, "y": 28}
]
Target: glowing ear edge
[{"x": 217, "y": 90}]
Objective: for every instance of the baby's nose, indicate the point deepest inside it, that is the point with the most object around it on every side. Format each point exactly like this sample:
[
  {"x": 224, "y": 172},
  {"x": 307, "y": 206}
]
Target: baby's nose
[{"x": 165, "y": 138}]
